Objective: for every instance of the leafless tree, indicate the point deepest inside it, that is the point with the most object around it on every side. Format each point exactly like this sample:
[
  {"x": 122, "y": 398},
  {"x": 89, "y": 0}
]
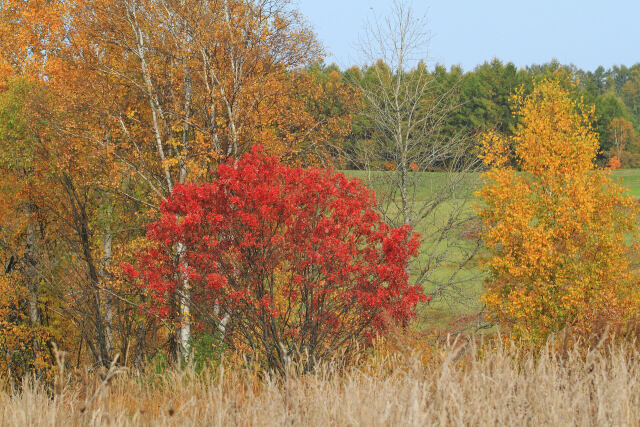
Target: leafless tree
[{"x": 430, "y": 171}]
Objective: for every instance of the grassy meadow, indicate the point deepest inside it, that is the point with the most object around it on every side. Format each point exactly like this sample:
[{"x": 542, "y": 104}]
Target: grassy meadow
[{"x": 629, "y": 178}]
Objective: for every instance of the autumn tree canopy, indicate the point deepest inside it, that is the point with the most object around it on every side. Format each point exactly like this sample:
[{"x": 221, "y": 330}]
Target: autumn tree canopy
[
  {"x": 112, "y": 111},
  {"x": 557, "y": 227}
]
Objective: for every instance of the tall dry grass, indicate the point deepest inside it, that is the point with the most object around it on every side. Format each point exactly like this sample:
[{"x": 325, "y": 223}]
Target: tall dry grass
[{"x": 458, "y": 385}]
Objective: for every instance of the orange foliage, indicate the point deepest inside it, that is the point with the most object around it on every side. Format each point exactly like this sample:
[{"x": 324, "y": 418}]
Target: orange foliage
[
  {"x": 183, "y": 87},
  {"x": 23, "y": 345},
  {"x": 38, "y": 174},
  {"x": 164, "y": 93},
  {"x": 557, "y": 228},
  {"x": 614, "y": 163},
  {"x": 28, "y": 30}
]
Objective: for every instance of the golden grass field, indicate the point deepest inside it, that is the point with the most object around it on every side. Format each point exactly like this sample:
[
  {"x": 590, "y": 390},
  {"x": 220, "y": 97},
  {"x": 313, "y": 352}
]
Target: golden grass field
[{"x": 458, "y": 385}]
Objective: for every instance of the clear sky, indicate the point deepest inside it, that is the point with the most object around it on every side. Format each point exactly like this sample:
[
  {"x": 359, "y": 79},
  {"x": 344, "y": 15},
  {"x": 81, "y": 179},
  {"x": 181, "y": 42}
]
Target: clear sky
[{"x": 586, "y": 33}]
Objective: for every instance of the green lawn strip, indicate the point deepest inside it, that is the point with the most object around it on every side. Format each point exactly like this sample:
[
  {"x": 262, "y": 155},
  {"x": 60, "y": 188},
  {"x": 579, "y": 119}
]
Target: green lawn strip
[{"x": 629, "y": 178}]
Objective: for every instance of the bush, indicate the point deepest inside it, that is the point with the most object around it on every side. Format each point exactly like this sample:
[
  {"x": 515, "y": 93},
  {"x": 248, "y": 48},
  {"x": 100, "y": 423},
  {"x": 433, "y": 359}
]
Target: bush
[
  {"x": 296, "y": 259},
  {"x": 207, "y": 351}
]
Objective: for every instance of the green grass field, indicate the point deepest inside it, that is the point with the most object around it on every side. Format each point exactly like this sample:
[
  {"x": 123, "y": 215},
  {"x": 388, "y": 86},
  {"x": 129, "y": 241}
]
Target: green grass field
[
  {"x": 442, "y": 312},
  {"x": 629, "y": 178}
]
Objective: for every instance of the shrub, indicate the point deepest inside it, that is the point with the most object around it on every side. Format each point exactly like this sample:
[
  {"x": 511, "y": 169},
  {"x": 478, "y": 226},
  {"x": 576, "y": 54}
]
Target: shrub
[{"x": 297, "y": 260}]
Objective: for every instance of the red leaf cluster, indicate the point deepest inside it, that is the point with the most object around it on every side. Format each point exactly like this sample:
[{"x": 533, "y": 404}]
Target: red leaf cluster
[{"x": 295, "y": 257}]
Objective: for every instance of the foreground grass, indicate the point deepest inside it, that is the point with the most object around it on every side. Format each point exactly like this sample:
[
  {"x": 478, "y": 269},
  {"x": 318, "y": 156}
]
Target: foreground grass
[{"x": 454, "y": 387}]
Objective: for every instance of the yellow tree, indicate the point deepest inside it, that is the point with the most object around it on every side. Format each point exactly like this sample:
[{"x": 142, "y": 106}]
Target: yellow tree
[
  {"x": 48, "y": 204},
  {"x": 558, "y": 229}
]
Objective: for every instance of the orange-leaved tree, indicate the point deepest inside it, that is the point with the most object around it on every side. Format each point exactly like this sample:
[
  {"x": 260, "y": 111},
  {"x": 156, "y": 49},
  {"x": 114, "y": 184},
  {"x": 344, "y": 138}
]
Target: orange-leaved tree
[{"x": 559, "y": 230}]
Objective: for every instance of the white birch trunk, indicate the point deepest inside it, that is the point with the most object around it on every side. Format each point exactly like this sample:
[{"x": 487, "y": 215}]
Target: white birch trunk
[
  {"x": 32, "y": 273},
  {"x": 183, "y": 332},
  {"x": 108, "y": 298}
]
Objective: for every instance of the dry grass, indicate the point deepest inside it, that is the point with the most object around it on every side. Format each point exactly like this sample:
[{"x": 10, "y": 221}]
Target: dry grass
[{"x": 453, "y": 387}]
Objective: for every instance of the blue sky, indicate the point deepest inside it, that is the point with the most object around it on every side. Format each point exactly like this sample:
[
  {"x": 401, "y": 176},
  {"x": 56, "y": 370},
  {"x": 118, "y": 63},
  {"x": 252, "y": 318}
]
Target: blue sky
[{"x": 586, "y": 33}]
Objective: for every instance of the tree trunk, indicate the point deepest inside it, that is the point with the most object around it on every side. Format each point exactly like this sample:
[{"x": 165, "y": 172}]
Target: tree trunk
[
  {"x": 183, "y": 331},
  {"x": 108, "y": 295},
  {"x": 94, "y": 313},
  {"x": 31, "y": 266}
]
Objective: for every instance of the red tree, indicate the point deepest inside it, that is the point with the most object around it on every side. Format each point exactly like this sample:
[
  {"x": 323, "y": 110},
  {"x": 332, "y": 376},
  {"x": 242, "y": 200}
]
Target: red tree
[{"x": 296, "y": 260}]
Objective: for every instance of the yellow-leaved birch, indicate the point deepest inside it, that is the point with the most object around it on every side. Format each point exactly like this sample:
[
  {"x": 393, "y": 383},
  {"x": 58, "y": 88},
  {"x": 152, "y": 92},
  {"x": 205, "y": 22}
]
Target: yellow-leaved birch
[{"x": 560, "y": 230}]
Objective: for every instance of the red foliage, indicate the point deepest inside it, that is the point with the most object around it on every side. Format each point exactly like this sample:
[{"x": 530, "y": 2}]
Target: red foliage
[{"x": 296, "y": 257}]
